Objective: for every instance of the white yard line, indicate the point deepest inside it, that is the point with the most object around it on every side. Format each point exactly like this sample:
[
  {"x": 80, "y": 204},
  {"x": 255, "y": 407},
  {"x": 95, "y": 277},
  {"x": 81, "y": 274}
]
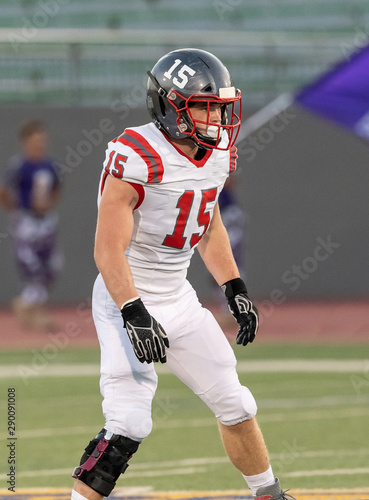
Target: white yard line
[
  {"x": 198, "y": 465},
  {"x": 332, "y": 472},
  {"x": 220, "y": 460},
  {"x": 313, "y": 402},
  {"x": 47, "y": 369},
  {"x": 304, "y": 365},
  {"x": 273, "y": 417},
  {"x": 145, "y": 473},
  {"x": 188, "y": 423},
  {"x": 41, "y": 473},
  {"x": 317, "y": 415}
]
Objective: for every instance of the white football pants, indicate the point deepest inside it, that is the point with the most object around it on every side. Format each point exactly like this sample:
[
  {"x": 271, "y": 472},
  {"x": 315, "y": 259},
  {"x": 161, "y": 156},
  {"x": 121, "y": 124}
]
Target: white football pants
[{"x": 199, "y": 355}]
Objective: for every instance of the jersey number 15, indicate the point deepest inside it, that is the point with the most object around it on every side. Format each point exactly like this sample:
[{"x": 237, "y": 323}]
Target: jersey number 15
[{"x": 176, "y": 239}]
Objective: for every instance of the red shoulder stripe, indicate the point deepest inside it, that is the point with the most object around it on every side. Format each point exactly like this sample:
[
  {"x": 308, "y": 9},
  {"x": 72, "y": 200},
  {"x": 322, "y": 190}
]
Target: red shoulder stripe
[
  {"x": 142, "y": 147},
  {"x": 103, "y": 180}
]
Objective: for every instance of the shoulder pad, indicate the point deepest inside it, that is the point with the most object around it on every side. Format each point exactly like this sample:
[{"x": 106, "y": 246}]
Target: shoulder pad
[{"x": 132, "y": 158}]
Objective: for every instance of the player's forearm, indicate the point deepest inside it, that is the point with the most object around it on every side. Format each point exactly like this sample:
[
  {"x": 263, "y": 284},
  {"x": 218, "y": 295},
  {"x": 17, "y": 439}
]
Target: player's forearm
[
  {"x": 117, "y": 278},
  {"x": 114, "y": 268},
  {"x": 110, "y": 247},
  {"x": 215, "y": 250}
]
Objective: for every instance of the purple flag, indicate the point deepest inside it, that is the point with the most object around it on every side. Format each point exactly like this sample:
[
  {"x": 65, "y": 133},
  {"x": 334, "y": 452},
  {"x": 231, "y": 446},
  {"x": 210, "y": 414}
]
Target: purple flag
[{"x": 342, "y": 94}]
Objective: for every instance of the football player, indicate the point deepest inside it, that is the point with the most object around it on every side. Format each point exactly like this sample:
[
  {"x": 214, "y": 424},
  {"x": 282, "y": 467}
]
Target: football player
[
  {"x": 30, "y": 192},
  {"x": 158, "y": 201}
]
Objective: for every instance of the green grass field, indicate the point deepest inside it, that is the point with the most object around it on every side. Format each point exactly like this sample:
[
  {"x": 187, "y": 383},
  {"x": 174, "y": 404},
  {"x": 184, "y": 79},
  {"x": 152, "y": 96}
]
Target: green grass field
[{"x": 315, "y": 423}]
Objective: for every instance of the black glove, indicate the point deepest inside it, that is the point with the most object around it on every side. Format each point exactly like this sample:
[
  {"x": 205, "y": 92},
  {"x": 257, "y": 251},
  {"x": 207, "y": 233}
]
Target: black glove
[
  {"x": 242, "y": 309},
  {"x": 146, "y": 335}
]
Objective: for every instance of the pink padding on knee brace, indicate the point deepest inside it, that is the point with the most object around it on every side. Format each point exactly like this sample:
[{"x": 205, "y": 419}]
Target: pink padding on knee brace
[{"x": 92, "y": 459}]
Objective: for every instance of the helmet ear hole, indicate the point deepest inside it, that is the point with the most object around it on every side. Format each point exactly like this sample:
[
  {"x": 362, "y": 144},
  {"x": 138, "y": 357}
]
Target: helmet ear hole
[
  {"x": 207, "y": 88},
  {"x": 162, "y": 106},
  {"x": 224, "y": 117}
]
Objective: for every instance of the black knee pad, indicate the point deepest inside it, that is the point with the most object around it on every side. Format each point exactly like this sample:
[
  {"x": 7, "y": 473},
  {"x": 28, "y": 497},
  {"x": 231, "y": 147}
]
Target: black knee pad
[{"x": 105, "y": 459}]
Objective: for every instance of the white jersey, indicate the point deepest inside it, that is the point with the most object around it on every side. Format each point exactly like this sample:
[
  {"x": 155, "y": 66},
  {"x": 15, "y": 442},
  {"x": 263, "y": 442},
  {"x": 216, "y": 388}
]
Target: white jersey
[{"x": 177, "y": 195}]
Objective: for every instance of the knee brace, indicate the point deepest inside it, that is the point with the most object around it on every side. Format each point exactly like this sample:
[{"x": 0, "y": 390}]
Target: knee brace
[{"x": 105, "y": 459}]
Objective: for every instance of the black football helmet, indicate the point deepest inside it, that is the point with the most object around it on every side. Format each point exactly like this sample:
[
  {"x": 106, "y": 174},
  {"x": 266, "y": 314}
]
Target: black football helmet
[{"x": 184, "y": 77}]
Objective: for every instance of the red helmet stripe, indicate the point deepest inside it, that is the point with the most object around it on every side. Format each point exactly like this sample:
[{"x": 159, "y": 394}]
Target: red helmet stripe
[{"x": 143, "y": 148}]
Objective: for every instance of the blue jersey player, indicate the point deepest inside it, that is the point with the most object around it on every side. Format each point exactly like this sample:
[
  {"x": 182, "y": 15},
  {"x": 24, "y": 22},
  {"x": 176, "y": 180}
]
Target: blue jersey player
[{"x": 30, "y": 191}]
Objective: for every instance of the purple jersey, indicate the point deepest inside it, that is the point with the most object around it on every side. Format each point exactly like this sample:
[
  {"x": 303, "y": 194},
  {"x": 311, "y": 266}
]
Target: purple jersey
[{"x": 22, "y": 174}]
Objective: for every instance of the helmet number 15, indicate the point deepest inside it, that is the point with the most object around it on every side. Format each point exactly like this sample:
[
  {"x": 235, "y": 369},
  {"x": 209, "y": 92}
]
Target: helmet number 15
[{"x": 181, "y": 79}]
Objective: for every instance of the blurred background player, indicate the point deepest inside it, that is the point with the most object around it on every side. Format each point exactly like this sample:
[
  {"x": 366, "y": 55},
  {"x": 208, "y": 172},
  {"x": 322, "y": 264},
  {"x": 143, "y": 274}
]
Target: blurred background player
[{"x": 30, "y": 192}]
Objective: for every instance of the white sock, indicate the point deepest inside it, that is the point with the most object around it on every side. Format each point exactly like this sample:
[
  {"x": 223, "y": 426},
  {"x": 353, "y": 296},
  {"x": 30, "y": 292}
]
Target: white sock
[
  {"x": 77, "y": 496},
  {"x": 255, "y": 482}
]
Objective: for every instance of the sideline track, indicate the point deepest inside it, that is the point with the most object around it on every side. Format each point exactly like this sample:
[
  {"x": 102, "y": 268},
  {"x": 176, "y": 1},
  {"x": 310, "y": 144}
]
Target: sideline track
[{"x": 139, "y": 494}]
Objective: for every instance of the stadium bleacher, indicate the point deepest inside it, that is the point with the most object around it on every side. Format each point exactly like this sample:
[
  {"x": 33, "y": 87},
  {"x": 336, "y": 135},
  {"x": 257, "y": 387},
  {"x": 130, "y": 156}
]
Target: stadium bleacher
[{"x": 88, "y": 52}]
